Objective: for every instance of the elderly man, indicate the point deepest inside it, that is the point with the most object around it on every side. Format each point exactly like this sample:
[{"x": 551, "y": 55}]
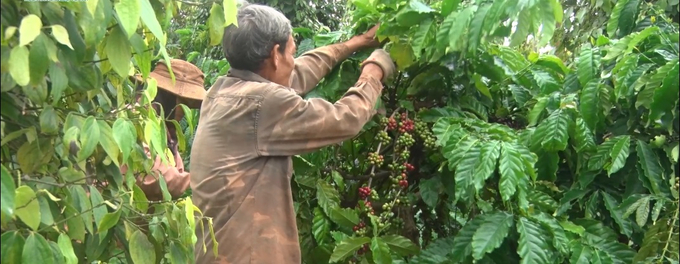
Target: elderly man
[{"x": 254, "y": 119}]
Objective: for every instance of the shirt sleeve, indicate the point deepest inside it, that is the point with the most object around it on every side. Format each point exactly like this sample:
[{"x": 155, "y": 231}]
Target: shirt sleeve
[
  {"x": 313, "y": 65},
  {"x": 289, "y": 125}
]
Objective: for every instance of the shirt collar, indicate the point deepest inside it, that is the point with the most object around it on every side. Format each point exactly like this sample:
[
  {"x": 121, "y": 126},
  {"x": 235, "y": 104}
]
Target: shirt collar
[{"x": 246, "y": 76}]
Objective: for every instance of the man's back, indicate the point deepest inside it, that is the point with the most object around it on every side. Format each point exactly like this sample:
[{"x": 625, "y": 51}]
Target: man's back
[{"x": 248, "y": 195}]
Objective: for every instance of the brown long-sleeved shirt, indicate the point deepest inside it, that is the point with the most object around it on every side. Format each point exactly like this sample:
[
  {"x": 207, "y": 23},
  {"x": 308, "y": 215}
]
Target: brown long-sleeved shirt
[{"x": 241, "y": 156}]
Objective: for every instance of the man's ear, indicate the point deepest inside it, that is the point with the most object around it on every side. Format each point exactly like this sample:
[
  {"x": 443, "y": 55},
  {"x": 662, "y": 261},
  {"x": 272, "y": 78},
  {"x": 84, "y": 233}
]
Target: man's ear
[{"x": 275, "y": 56}]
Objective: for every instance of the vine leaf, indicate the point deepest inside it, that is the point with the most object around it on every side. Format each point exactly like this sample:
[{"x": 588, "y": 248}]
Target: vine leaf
[
  {"x": 29, "y": 29},
  {"x": 109, "y": 220},
  {"x": 7, "y": 191},
  {"x": 37, "y": 250},
  {"x": 12, "y": 247},
  {"x": 66, "y": 248},
  {"x": 141, "y": 250},
  {"x": 129, "y": 12},
  {"x": 491, "y": 233},
  {"x": 348, "y": 246},
  {"x": 27, "y": 207},
  {"x": 532, "y": 246}
]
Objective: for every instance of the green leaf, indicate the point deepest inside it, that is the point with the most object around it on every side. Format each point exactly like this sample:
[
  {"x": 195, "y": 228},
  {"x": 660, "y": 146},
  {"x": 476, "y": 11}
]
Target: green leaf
[
  {"x": 532, "y": 248},
  {"x": 511, "y": 169},
  {"x": 449, "y": 6},
  {"x": 66, "y": 248},
  {"x": 491, "y": 233},
  {"x": 141, "y": 250},
  {"x": 402, "y": 54},
  {"x": 462, "y": 244},
  {"x": 12, "y": 247},
  {"x": 98, "y": 212},
  {"x": 583, "y": 137},
  {"x": 321, "y": 226},
  {"x": 7, "y": 193},
  {"x": 485, "y": 165},
  {"x": 49, "y": 121},
  {"x": 89, "y": 138},
  {"x": 347, "y": 247},
  {"x": 429, "y": 191},
  {"x": 118, "y": 51},
  {"x": 642, "y": 212},
  {"x": 129, "y": 12},
  {"x": 420, "y": 36},
  {"x": 108, "y": 221},
  {"x": 612, "y": 206},
  {"x": 442, "y": 36},
  {"x": 628, "y": 16},
  {"x": 39, "y": 59},
  {"x": 29, "y": 29},
  {"x": 59, "y": 81},
  {"x": 459, "y": 27},
  {"x": 651, "y": 166},
  {"x": 536, "y": 111},
  {"x": 37, "y": 250},
  {"x": 613, "y": 23},
  {"x": 476, "y": 27},
  {"x": 108, "y": 142},
  {"x": 216, "y": 24},
  {"x": 380, "y": 250},
  {"x": 27, "y": 207},
  {"x": 230, "y": 11},
  {"x": 466, "y": 170},
  {"x": 344, "y": 216},
  {"x": 580, "y": 253},
  {"x": 125, "y": 135},
  {"x": 553, "y": 133},
  {"x": 619, "y": 154},
  {"x": 19, "y": 67},
  {"x": 327, "y": 195},
  {"x": 412, "y": 13},
  {"x": 61, "y": 35},
  {"x": 588, "y": 64},
  {"x": 400, "y": 245},
  {"x": 149, "y": 19},
  {"x": 666, "y": 97},
  {"x": 590, "y": 104},
  {"x": 559, "y": 237},
  {"x": 524, "y": 24},
  {"x": 481, "y": 86},
  {"x": 83, "y": 204}
]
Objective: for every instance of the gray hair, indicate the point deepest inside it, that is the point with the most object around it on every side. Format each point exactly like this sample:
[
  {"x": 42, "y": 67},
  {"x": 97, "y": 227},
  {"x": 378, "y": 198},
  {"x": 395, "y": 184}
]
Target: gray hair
[{"x": 259, "y": 29}]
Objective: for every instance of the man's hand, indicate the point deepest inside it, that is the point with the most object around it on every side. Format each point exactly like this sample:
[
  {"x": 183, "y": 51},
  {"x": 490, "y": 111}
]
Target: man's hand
[
  {"x": 366, "y": 40},
  {"x": 382, "y": 59}
]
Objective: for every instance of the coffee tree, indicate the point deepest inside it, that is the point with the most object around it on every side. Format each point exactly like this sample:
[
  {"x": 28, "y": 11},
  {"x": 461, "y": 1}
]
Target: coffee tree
[
  {"x": 71, "y": 118},
  {"x": 489, "y": 151}
]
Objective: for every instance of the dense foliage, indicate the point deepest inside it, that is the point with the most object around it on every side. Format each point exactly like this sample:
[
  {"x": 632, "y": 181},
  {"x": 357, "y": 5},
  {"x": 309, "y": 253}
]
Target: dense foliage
[{"x": 489, "y": 147}]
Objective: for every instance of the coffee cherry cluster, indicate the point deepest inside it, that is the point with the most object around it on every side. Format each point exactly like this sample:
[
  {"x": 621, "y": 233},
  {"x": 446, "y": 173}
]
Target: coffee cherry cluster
[
  {"x": 391, "y": 123},
  {"x": 406, "y": 125},
  {"x": 368, "y": 207},
  {"x": 675, "y": 182},
  {"x": 363, "y": 249},
  {"x": 364, "y": 192},
  {"x": 405, "y": 140},
  {"x": 425, "y": 134},
  {"x": 384, "y": 137},
  {"x": 375, "y": 159},
  {"x": 408, "y": 167}
]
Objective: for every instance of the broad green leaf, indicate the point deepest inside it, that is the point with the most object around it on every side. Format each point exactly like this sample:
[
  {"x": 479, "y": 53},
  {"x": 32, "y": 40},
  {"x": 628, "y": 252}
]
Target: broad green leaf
[
  {"x": 46, "y": 217},
  {"x": 642, "y": 212},
  {"x": 230, "y": 11},
  {"x": 12, "y": 247},
  {"x": 129, "y": 12},
  {"x": 511, "y": 169},
  {"x": 619, "y": 154},
  {"x": 108, "y": 142},
  {"x": 59, "y": 81},
  {"x": 8, "y": 191},
  {"x": 380, "y": 250},
  {"x": 485, "y": 165},
  {"x": 462, "y": 244},
  {"x": 75, "y": 224},
  {"x": 491, "y": 233},
  {"x": 627, "y": 16},
  {"x": 66, "y": 248},
  {"x": 583, "y": 137},
  {"x": 149, "y": 19},
  {"x": 536, "y": 111},
  {"x": 39, "y": 60},
  {"x": 481, "y": 86},
  {"x": 442, "y": 36},
  {"x": 19, "y": 67},
  {"x": 459, "y": 28},
  {"x": 216, "y": 23},
  {"x": 476, "y": 30},
  {"x": 615, "y": 17},
  {"x": 125, "y": 135},
  {"x": 612, "y": 206},
  {"x": 118, "y": 51},
  {"x": 553, "y": 133},
  {"x": 524, "y": 24},
  {"x": 27, "y": 207},
  {"x": 412, "y": 13},
  {"x": 37, "y": 250},
  {"x": 141, "y": 250},
  {"x": 98, "y": 211},
  {"x": 108, "y": 221},
  {"x": 651, "y": 166},
  {"x": 429, "y": 190},
  {"x": 449, "y": 6},
  {"x": 81, "y": 202},
  {"x": 666, "y": 97},
  {"x": 89, "y": 138},
  {"x": 400, "y": 245},
  {"x": 178, "y": 254},
  {"x": 402, "y": 54},
  {"x": 29, "y": 29},
  {"x": 420, "y": 36},
  {"x": 49, "y": 121},
  {"x": 545, "y": 81},
  {"x": 533, "y": 247},
  {"x": 466, "y": 169},
  {"x": 590, "y": 105},
  {"x": 347, "y": 247},
  {"x": 61, "y": 35},
  {"x": 588, "y": 64},
  {"x": 327, "y": 195},
  {"x": 320, "y": 226},
  {"x": 580, "y": 253},
  {"x": 652, "y": 83},
  {"x": 559, "y": 237}
]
